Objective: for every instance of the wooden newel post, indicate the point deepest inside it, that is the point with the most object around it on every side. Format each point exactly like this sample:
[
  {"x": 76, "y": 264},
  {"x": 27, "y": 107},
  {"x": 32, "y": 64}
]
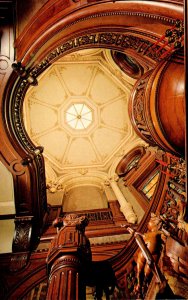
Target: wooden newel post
[{"x": 67, "y": 257}]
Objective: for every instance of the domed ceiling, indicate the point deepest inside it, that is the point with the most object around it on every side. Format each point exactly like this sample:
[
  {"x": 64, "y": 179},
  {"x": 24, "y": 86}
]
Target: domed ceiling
[{"x": 79, "y": 113}]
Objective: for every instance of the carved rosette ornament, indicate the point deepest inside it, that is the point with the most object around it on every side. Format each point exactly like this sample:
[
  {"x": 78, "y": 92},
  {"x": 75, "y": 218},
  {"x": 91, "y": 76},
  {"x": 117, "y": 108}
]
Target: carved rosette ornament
[{"x": 67, "y": 257}]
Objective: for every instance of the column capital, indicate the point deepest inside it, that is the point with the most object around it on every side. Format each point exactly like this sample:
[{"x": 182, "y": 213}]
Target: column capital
[{"x": 114, "y": 177}]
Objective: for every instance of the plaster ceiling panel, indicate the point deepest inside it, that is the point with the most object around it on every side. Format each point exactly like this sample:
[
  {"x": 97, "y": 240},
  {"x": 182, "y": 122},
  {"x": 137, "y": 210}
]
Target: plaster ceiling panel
[
  {"x": 50, "y": 90},
  {"x": 76, "y": 77},
  {"x": 54, "y": 143},
  {"x": 115, "y": 114},
  {"x": 40, "y": 124},
  {"x": 107, "y": 140},
  {"x": 103, "y": 88},
  {"x": 81, "y": 152},
  {"x": 78, "y": 112}
]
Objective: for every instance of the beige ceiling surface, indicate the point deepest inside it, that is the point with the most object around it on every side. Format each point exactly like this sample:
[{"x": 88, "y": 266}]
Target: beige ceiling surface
[{"x": 90, "y": 81}]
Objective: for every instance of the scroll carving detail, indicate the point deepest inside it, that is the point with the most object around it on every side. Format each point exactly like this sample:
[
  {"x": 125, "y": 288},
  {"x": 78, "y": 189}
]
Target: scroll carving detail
[{"x": 22, "y": 236}]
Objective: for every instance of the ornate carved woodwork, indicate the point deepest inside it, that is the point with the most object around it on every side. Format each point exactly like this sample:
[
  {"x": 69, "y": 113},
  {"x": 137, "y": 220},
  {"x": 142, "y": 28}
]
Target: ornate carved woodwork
[
  {"x": 128, "y": 276},
  {"x": 174, "y": 259},
  {"x": 27, "y": 169},
  {"x": 131, "y": 41},
  {"x": 174, "y": 36},
  {"x": 137, "y": 109},
  {"x": 174, "y": 202},
  {"x": 157, "y": 112},
  {"x": 170, "y": 270},
  {"x": 144, "y": 167},
  {"x": 100, "y": 215},
  {"x": 178, "y": 257},
  {"x": 65, "y": 18},
  {"x": 68, "y": 253},
  {"x": 21, "y": 245},
  {"x": 150, "y": 245},
  {"x": 22, "y": 236},
  {"x": 102, "y": 222}
]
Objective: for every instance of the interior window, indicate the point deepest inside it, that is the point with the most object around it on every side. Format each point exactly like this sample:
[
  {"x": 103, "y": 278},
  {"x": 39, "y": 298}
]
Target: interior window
[{"x": 150, "y": 184}]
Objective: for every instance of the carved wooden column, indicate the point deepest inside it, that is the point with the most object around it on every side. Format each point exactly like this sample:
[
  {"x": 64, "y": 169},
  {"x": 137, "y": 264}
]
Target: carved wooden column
[{"x": 67, "y": 258}]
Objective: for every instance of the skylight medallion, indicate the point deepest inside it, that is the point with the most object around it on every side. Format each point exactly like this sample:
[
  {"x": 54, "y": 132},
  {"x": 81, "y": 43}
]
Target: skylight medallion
[{"x": 78, "y": 116}]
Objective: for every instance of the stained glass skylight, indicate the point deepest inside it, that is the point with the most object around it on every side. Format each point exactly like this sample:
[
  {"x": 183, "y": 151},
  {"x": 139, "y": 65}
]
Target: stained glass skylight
[{"x": 78, "y": 116}]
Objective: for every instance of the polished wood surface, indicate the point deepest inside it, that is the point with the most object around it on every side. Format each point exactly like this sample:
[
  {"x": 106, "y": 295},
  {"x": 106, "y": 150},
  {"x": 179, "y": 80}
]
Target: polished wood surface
[{"x": 157, "y": 105}]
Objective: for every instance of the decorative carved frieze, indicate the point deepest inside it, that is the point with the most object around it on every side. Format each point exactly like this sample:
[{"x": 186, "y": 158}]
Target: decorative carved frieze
[{"x": 130, "y": 40}]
